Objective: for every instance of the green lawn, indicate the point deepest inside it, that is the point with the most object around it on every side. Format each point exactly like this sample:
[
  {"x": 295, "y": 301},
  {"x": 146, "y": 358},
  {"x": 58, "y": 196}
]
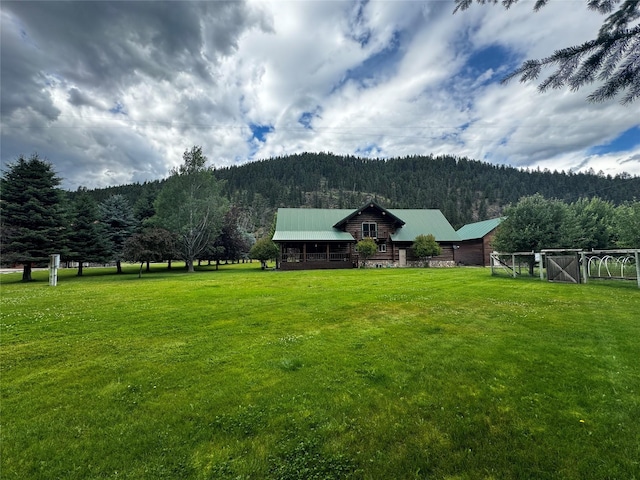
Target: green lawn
[{"x": 373, "y": 374}]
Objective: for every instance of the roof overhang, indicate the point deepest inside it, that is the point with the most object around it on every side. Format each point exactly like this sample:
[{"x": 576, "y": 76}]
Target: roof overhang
[{"x": 311, "y": 236}]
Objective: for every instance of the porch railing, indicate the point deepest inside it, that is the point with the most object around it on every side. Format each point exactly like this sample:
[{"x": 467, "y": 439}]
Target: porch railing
[{"x": 315, "y": 257}]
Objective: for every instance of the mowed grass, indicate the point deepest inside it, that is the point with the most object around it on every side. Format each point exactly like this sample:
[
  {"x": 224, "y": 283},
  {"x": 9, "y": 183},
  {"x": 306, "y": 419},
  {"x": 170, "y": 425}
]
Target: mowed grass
[{"x": 364, "y": 374}]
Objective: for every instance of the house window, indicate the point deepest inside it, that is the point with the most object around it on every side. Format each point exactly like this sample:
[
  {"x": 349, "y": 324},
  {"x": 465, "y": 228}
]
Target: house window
[
  {"x": 382, "y": 248},
  {"x": 369, "y": 229}
]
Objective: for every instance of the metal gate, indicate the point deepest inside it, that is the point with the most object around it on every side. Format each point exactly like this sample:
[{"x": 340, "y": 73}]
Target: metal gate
[{"x": 563, "y": 268}]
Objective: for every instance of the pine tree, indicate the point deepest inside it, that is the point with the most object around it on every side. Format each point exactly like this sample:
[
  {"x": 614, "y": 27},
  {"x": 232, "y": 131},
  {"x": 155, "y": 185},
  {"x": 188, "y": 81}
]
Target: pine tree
[
  {"x": 143, "y": 208},
  {"x": 32, "y": 213},
  {"x": 612, "y": 57},
  {"x": 117, "y": 216},
  {"x": 87, "y": 239}
]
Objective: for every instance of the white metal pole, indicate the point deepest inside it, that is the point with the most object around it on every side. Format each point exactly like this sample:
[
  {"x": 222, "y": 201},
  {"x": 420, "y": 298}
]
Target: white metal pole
[{"x": 54, "y": 263}]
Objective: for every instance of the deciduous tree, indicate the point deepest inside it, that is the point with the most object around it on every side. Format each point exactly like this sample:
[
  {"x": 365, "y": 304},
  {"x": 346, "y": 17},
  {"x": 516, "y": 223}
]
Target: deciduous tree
[
  {"x": 592, "y": 223},
  {"x": 150, "y": 245},
  {"x": 264, "y": 250},
  {"x": 425, "y": 246},
  {"x": 191, "y": 205},
  {"x": 532, "y": 224},
  {"x": 232, "y": 238},
  {"x": 367, "y": 248},
  {"x": 627, "y": 225}
]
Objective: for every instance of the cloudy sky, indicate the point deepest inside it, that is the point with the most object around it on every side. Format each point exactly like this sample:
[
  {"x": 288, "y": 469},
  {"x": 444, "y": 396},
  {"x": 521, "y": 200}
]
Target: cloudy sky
[{"x": 113, "y": 92}]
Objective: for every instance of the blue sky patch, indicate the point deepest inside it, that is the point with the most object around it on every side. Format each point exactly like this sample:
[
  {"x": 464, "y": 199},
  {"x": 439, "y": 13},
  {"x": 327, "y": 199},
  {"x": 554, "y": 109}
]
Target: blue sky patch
[
  {"x": 627, "y": 140},
  {"x": 382, "y": 63},
  {"x": 259, "y": 132},
  {"x": 493, "y": 56},
  {"x": 497, "y": 58},
  {"x": 306, "y": 119},
  {"x": 371, "y": 150},
  {"x": 118, "y": 109}
]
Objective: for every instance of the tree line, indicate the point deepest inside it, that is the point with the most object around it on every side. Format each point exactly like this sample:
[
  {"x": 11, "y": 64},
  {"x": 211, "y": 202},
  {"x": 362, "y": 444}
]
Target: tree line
[
  {"x": 188, "y": 219},
  {"x": 535, "y": 223},
  {"x": 464, "y": 190},
  {"x": 201, "y": 213}
]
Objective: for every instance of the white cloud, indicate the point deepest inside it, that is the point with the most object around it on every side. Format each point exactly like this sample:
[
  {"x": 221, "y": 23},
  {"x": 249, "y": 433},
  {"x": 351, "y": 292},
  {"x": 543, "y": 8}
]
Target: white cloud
[{"x": 373, "y": 78}]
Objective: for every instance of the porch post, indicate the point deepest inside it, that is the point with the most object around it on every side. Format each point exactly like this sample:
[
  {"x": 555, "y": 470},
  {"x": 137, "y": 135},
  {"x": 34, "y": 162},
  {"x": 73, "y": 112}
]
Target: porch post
[
  {"x": 327, "y": 251},
  {"x": 304, "y": 252}
]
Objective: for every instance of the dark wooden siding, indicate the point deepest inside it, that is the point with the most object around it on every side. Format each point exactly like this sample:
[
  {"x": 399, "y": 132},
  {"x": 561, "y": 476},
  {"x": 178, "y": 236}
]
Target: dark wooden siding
[
  {"x": 476, "y": 252},
  {"x": 385, "y": 228},
  {"x": 470, "y": 252},
  {"x": 488, "y": 247},
  {"x": 445, "y": 256}
]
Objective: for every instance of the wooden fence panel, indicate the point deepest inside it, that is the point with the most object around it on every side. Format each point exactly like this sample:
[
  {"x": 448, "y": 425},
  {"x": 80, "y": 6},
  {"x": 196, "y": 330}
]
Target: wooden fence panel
[{"x": 563, "y": 268}]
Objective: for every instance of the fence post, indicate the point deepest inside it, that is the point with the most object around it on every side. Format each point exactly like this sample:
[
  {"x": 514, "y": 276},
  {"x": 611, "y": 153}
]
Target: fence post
[
  {"x": 541, "y": 266},
  {"x": 585, "y": 267},
  {"x": 638, "y": 267}
]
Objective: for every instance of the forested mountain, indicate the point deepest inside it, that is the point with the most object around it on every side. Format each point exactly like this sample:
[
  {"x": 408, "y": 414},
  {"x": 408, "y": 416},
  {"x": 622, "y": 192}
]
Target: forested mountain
[{"x": 464, "y": 190}]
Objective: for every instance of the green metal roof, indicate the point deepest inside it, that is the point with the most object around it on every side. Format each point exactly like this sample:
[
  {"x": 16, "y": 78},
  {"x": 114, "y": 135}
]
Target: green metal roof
[
  {"x": 423, "y": 222},
  {"x": 472, "y": 231},
  {"x": 323, "y": 236},
  {"x": 309, "y": 224}
]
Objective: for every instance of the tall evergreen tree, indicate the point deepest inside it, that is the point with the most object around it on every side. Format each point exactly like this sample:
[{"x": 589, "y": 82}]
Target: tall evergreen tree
[
  {"x": 32, "y": 213},
  {"x": 143, "y": 209},
  {"x": 87, "y": 238},
  {"x": 117, "y": 216}
]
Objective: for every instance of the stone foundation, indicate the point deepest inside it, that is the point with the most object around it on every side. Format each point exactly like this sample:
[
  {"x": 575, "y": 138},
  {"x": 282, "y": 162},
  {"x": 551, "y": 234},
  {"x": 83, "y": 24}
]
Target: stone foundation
[{"x": 417, "y": 264}]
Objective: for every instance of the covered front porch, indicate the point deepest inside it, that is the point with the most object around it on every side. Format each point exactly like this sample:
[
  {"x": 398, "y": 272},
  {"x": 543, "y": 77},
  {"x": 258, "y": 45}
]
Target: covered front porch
[{"x": 317, "y": 255}]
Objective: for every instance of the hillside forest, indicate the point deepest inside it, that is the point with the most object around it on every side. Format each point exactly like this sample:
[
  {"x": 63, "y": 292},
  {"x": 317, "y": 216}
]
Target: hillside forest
[{"x": 464, "y": 190}]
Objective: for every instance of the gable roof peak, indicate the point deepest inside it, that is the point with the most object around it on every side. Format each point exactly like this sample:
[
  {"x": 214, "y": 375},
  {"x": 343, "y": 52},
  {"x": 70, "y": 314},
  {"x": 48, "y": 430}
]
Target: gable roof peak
[{"x": 371, "y": 203}]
